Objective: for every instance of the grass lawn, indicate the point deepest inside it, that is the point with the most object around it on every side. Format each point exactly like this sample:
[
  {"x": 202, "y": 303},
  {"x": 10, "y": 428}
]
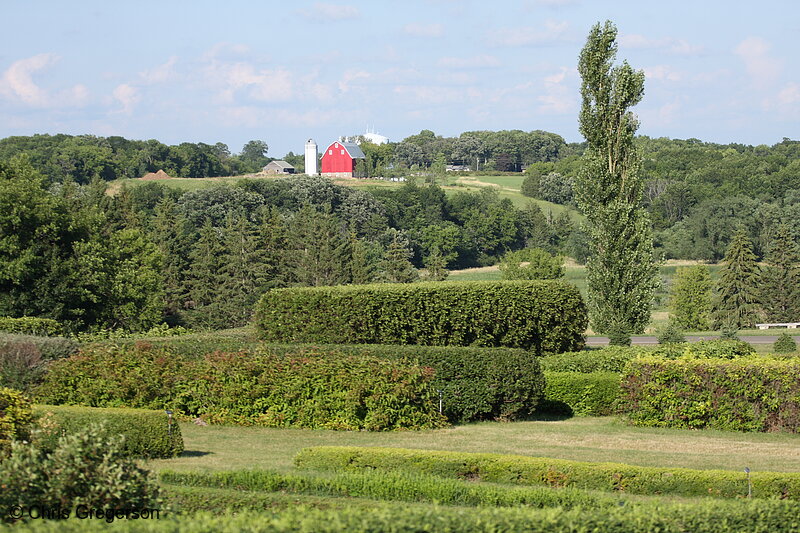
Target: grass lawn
[{"x": 601, "y": 439}]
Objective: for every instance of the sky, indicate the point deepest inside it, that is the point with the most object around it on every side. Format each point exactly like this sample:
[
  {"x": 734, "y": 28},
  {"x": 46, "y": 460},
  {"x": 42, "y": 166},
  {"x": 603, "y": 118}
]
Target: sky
[{"x": 286, "y": 71}]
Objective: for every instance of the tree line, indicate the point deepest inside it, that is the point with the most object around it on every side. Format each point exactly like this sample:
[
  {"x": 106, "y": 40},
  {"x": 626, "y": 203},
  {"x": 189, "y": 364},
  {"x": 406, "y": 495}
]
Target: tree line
[{"x": 150, "y": 253}]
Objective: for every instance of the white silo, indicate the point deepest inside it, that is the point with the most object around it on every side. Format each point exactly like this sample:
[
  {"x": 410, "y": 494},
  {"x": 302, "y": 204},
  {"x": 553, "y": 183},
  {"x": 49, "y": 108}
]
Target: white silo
[{"x": 312, "y": 156}]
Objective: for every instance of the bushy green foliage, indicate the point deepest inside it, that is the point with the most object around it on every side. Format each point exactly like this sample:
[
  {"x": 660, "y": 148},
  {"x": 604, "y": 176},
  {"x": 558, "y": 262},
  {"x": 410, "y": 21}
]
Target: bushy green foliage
[
  {"x": 607, "y": 359},
  {"x": 744, "y": 394},
  {"x": 619, "y": 334},
  {"x": 579, "y": 393},
  {"x": 706, "y": 517},
  {"x": 29, "y": 325},
  {"x": 718, "y": 348},
  {"x": 85, "y": 468},
  {"x": 690, "y": 298},
  {"x": 531, "y": 263},
  {"x": 476, "y": 383},
  {"x": 395, "y": 486},
  {"x": 147, "y": 433},
  {"x": 536, "y": 315},
  {"x": 24, "y": 358},
  {"x": 15, "y": 418},
  {"x": 784, "y": 344},
  {"x": 315, "y": 389},
  {"x": 524, "y": 470}
]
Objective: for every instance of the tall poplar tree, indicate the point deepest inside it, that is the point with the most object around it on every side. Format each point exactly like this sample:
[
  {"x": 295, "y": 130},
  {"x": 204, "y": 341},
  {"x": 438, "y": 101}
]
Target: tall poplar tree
[
  {"x": 737, "y": 294},
  {"x": 622, "y": 275}
]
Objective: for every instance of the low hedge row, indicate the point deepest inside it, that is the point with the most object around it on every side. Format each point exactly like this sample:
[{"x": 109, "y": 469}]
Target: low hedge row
[
  {"x": 608, "y": 359},
  {"x": 29, "y": 325},
  {"x": 712, "y": 349},
  {"x": 313, "y": 389},
  {"x": 147, "y": 433},
  {"x": 708, "y": 517},
  {"x": 745, "y": 394},
  {"x": 578, "y": 393},
  {"x": 535, "y": 315},
  {"x": 475, "y": 383},
  {"x": 24, "y": 358},
  {"x": 554, "y": 472},
  {"x": 393, "y": 486}
]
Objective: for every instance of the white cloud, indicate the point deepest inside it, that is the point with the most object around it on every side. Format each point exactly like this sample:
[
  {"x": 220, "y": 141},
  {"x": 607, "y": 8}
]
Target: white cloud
[
  {"x": 669, "y": 44},
  {"x": 345, "y": 84},
  {"x": 436, "y": 94},
  {"x": 128, "y": 96},
  {"x": 424, "y": 30},
  {"x": 478, "y": 61},
  {"x": 763, "y": 68},
  {"x": 161, "y": 73},
  {"x": 17, "y": 81},
  {"x": 267, "y": 85},
  {"x": 790, "y": 94},
  {"x": 662, "y": 73},
  {"x": 526, "y": 36},
  {"x": 321, "y": 12},
  {"x": 557, "y": 98}
]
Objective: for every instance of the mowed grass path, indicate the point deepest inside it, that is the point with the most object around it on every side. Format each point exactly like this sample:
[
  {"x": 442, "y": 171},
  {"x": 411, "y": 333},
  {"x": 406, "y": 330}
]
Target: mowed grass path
[{"x": 606, "y": 439}]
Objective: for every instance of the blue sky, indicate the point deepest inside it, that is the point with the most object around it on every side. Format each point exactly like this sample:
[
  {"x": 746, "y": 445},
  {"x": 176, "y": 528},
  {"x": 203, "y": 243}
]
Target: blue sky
[{"x": 280, "y": 71}]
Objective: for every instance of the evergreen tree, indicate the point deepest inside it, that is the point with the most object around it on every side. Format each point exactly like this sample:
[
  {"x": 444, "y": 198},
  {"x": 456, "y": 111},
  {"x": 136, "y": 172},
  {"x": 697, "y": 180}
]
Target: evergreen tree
[
  {"x": 780, "y": 280},
  {"x": 272, "y": 242},
  {"x": 318, "y": 249},
  {"x": 204, "y": 279},
  {"x": 244, "y": 269},
  {"x": 396, "y": 266},
  {"x": 737, "y": 295},
  {"x": 621, "y": 272},
  {"x": 436, "y": 264},
  {"x": 361, "y": 268},
  {"x": 171, "y": 233},
  {"x": 690, "y": 298}
]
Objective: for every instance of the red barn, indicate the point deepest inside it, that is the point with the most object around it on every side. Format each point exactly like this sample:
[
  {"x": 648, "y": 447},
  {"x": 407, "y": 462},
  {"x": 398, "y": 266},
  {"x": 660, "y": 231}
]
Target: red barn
[{"x": 339, "y": 159}]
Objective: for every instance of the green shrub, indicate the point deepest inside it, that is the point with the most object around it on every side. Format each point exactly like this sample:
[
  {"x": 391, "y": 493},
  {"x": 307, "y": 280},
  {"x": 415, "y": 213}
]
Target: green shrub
[
  {"x": 517, "y": 469},
  {"x": 713, "y": 349},
  {"x": 608, "y": 359},
  {"x": 23, "y": 358},
  {"x": 619, "y": 335},
  {"x": 577, "y": 393},
  {"x": 380, "y": 517},
  {"x": 313, "y": 389},
  {"x": 31, "y": 326},
  {"x": 85, "y": 468},
  {"x": 784, "y": 344},
  {"x": 395, "y": 486},
  {"x": 745, "y": 394},
  {"x": 147, "y": 433},
  {"x": 476, "y": 383},
  {"x": 670, "y": 333},
  {"x": 15, "y": 417},
  {"x": 536, "y": 315}
]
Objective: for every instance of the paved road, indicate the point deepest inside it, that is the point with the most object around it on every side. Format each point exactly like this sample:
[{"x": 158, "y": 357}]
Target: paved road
[{"x": 752, "y": 339}]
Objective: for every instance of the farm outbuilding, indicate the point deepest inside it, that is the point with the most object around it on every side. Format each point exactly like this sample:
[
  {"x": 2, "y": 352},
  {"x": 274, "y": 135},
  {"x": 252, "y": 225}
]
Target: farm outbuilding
[
  {"x": 278, "y": 167},
  {"x": 339, "y": 159}
]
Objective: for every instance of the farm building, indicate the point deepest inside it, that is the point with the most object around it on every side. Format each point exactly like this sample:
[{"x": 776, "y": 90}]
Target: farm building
[
  {"x": 278, "y": 167},
  {"x": 339, "y": 159}
]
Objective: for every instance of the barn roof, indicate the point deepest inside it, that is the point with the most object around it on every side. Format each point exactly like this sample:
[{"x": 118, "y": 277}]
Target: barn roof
[
  {"x": 354, "y": 150},
  {"x": 280, "y": 163}
]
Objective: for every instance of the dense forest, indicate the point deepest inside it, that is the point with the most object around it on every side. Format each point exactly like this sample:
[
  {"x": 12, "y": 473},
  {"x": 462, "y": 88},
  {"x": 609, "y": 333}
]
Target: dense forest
[{"x": 70, "y": 251}]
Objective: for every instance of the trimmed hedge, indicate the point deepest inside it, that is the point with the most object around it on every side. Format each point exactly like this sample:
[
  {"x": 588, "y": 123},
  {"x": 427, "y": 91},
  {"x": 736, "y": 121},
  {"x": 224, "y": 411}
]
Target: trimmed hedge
[
  {"x": 312, "y": 389},
  {"x": 29, "y": 325},
  {"x": 535, "y": 315},
  {"x": 394, "y": 486},
  {"x": 707, "y": 517},
  {"x": 578, "y": 393},
  {"x": 476, "y": 383},
  {"x": 147, "y": 433},
  {"x": 717, "y": 348},
  {"x": 745, "y": 394},
  {"x": 608, "y": 359},
  {"x": 525, "y": 470},
  {"x": 15, "y": 417}
]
